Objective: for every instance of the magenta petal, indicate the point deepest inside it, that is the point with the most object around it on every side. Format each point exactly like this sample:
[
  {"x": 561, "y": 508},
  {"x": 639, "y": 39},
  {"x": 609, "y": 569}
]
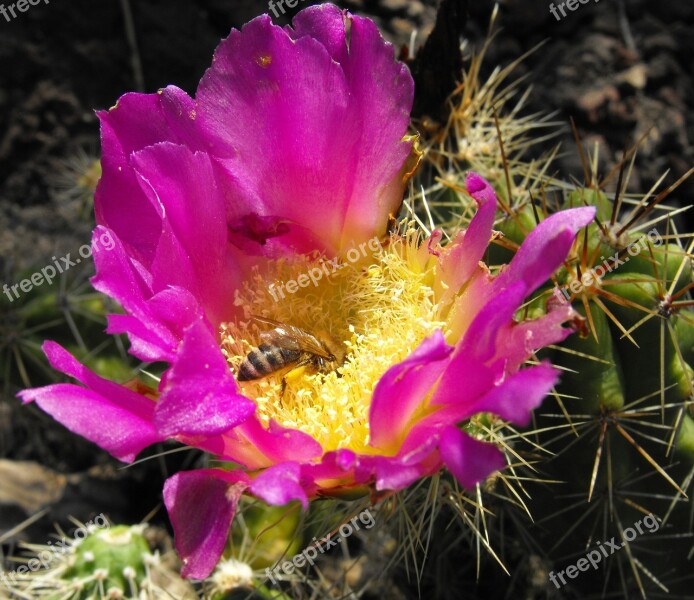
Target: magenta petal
[
  {"x": 84, "y": 411},
  {"x": 200, "y": 395},
  {"x": 465, "y": 379},
  {"x": 334, "y": 465},
  {"x": 547, "y": 329},
  {"x": 403, "y": 388},
  {"x": 524, "y": 338},
  {"x": 325, "y": 23},
  {"x": 480, "y": 340},
  {"x": 191, "y": 252},
  {"x": 392, "y": 474},
  {"x": 387, "y": 473},
  {"x": 151, "y": 329},
  {"x": 320, "y": 141},
  {"x": 201, "y": 506},
  {"x": 137, "y": 121},
  {"x": 545, "y": 248},
  {"x": 274, "y": 443},
  {"x": 515, "y": 398},
  {"x": 479, "y": 232},
  {"x": 118, "y": 197},
  {"x": 382, "y": 90},
  {"x": 144, "y": 343},
  {"x": 461, "y": 258},
  {"x": 61, "y": 360},
  {"x": 156, "y": 321},
  {"x": 470, "y": 460},
  {"x": 141, "y": 120},
  {"x": 280, "y": 484},
  {"x": 471, "y": 387}
]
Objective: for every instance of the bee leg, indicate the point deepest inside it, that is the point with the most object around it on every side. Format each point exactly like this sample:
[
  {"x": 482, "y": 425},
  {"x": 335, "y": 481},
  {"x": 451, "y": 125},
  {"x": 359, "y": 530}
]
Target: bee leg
[{"x": 292, "y": 373}]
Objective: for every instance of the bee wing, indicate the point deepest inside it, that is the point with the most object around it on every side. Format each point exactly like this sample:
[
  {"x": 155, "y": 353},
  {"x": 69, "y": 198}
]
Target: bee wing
[{"x": 291, "y": 337}]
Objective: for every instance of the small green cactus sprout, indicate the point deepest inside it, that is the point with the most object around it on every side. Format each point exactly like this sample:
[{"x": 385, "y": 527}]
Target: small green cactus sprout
[
  {"x": 111, "y": 561},
  {"x": 100, "y": 562}
]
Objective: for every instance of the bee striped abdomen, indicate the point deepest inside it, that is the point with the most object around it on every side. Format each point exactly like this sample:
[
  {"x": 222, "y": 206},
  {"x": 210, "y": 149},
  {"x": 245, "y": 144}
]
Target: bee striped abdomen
[{"x": 264, "y": 360}]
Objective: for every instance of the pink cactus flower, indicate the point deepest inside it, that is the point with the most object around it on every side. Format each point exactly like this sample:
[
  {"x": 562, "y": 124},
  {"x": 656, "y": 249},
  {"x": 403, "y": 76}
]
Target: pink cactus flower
[{"x": 269, "y": 195}]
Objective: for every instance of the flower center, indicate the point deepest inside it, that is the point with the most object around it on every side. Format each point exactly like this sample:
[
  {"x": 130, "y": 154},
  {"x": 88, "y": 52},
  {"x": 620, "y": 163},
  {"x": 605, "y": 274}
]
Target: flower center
[{"x": 377, "y": 308}]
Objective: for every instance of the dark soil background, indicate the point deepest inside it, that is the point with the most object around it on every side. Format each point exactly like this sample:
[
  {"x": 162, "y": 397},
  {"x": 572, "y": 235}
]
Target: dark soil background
[{"x": 620, "y": 68}]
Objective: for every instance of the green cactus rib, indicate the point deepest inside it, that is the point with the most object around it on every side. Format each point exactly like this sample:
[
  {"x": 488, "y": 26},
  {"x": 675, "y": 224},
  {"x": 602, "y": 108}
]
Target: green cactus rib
[{"x": 593, "y": 366}]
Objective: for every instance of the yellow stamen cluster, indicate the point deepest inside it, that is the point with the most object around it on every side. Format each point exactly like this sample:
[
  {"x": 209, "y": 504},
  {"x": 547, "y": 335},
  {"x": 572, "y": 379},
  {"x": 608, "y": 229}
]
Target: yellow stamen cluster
[{"x": 380, "y": 310}]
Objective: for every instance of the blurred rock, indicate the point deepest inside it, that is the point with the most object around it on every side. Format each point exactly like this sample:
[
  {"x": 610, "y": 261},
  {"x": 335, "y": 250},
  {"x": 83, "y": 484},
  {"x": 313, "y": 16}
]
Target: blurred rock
[{"x": 29, "y": 486}]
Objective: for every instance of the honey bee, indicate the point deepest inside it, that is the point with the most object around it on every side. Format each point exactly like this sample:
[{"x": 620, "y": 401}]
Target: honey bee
[{"x": 288, "y": 347}]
